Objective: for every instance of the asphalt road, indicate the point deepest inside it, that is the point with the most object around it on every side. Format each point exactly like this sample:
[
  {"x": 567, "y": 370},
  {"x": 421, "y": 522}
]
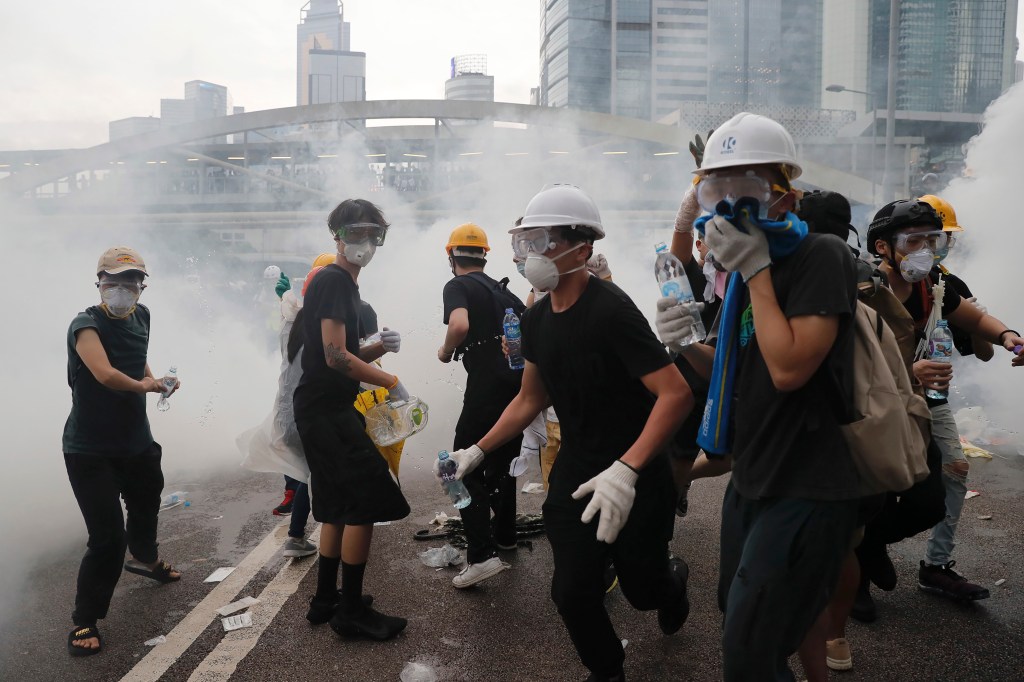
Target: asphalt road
[{"x": 504, "y": 629}]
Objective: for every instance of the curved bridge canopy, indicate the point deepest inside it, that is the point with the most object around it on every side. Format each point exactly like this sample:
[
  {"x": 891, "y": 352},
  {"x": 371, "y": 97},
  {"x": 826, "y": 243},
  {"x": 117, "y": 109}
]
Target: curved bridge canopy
[{"x": 94, "y": 157}]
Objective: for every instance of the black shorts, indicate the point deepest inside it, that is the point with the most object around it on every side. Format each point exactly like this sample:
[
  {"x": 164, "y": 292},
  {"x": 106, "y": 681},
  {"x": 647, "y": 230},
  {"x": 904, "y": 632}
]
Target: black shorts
[{"x": 350, "y": 482}]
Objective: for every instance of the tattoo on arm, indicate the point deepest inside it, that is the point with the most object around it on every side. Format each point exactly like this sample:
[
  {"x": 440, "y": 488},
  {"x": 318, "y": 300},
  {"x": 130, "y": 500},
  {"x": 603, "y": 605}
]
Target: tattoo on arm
[{"x": 338, "y": 359}]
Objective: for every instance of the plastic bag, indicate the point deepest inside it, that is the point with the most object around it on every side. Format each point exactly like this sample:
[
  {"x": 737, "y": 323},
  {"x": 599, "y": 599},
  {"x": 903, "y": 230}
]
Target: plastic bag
[
  {"x": 417, "y": 672},
  {"x": 439, "y": 557}
]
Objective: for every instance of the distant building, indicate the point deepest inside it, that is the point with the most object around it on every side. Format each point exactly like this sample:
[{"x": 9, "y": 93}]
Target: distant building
[
  {"x": 134, "y": 125},
  {"x": 326, "y": 68},
  {"x": 469, "y": 79},
  {"x": 202, "y": 100}
]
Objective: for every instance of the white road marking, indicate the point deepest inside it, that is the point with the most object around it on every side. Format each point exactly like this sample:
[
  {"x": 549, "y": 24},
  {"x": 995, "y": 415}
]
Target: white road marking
[
  {"x": 221, "y": 663},
  {"x": 162, "y": 657}
]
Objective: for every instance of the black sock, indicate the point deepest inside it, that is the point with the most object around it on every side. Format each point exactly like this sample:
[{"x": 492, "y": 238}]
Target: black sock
[
  {"x": 327, "y": 578},
  {"x": 352, "y": 585}
]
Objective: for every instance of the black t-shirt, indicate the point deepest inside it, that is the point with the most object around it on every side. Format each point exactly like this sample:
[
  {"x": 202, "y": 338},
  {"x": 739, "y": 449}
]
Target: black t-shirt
[
  {"x": 332, "y": 295},
  {"x": 482, "y": 356},
  {"x": 961, "y": 339},
  {"x": 789, "y": 444},
  {"x": 104, "y": 421},
  {"x": 591, "y": 358}
]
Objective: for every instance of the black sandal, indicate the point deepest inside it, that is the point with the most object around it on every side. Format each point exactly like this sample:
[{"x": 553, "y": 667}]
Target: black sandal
[
  {"x": 80, "y": 633},
  {"x": 161, "y": 574}
]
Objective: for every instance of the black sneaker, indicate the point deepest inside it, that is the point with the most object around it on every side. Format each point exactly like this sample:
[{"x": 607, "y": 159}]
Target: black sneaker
[
  {"x": 947, "y": 582},
  {"x": 672, "y": 616},
  {"x": 367, "y": 623},
  {"x": 322, "y": 610},
  {"x": 864, "y": 608}
]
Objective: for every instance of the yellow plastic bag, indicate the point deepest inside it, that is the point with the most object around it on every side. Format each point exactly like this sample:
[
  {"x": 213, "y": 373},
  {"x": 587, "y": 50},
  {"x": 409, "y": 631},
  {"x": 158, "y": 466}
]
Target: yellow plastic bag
[{"x": 392, "y": 454}]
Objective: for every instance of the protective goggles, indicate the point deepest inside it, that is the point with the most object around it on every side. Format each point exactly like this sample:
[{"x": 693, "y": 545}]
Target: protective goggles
[
  {"x": 357, "y": 233},
  {"x": 936, "y": 240},
  {"x": 713, "y": 189},
  {"x": 536, "y": 240},
  {"x": 131, "y": 287}
]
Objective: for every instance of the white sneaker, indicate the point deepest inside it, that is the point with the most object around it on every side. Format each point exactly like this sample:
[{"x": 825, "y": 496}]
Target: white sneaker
[
  {"x": 475, "y": 573},
  {"x": 298, "y": 547}
]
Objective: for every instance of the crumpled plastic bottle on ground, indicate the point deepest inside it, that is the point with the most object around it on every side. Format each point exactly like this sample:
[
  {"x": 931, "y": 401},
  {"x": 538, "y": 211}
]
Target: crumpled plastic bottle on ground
[
  {"x": 439, "y": 557},
  {"x": 417, "y": 672}
]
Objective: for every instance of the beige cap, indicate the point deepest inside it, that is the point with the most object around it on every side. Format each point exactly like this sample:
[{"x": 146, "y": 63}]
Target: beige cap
[{"x": 120, "y": 259}]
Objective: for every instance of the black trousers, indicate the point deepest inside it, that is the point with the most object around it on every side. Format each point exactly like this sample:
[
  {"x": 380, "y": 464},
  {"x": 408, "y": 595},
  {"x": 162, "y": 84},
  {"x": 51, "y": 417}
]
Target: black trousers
[
  {"x": 640, "y": 555},
  {"x": 99, "y": 483},
  {"x": 491, "y": 488},
  {"x": 913, "y": 511}
]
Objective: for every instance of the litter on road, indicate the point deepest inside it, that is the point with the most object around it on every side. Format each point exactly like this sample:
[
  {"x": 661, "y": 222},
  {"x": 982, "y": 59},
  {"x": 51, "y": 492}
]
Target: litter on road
[
  {"x": 971, "y": 493},
  {"x": 156, "y": 640},
  {"x": 234, "y": 606},
  {"x": 219, "y": 574},
  {"x": 242, "y": 620}
]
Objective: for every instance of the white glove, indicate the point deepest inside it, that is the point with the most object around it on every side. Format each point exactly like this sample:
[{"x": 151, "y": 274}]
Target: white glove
[
  {"x": 737, "y": 251},
  {"x": 398, "y": 393},
  {"x": 467, "y": 459},
  {"x": 689, "y": 210},
  {"x": 391, "y": 340},
  {"x": 974, "y": 301},
  {"x": 675, "y": 322},
  {"x": 613, "y": 491},
  {"x": 598, "y": 266}
]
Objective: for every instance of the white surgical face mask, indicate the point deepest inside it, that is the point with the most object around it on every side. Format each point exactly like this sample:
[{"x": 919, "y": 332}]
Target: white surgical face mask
[
  {"x": 542, "y": 272},
  {"x": 360, "y": 254},
  {"x": 915, "y": 266},
  {"x": 119, "y": 302}
]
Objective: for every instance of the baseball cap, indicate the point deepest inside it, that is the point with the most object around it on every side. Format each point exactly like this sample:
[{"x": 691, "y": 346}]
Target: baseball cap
[{"x": 119, "y": 259}]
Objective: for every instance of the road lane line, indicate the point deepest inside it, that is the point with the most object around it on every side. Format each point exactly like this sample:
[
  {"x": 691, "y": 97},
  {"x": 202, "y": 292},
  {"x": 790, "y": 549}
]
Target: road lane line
[
  {"x": 163, "y": 656},
  {"x": 221, "y": 663}
]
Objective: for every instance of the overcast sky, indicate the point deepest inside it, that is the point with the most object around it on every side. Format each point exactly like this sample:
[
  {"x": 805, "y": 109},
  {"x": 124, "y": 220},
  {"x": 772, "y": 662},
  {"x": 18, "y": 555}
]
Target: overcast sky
[{"x": 67, "y": 68}]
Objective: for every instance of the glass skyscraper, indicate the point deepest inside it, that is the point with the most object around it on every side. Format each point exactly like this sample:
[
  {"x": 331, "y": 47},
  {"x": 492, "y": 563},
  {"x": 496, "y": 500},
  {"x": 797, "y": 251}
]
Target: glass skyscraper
[
  {"x": 593, "y": 63},
  {"x": 952, "y": 53}
]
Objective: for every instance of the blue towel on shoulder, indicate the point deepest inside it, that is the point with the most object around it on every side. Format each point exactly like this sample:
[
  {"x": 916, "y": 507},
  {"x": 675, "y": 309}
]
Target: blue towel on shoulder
[{"x": 784, "y": 237}]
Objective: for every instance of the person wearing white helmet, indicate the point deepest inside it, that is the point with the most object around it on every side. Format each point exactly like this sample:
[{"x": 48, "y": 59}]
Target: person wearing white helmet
[
  {"x": 784, "y": 337},
  {"x": 591, "y": 354}
]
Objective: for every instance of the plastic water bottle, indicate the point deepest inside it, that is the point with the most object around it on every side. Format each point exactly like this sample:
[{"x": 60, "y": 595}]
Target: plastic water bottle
[
  {"x": 174, "y": 499},
  {"x": 940, "y": 349},
  {"x": 168, "y": 382},
  {"x": 513, "y": 339},
  {"x": 672, "y": 280},
  {"x": 455, "y": 488}
]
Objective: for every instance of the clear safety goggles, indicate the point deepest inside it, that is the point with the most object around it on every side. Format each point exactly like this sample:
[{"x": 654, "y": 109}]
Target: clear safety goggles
[
  {"x": 536, "y": 240},
  {"x": 131, "y": 287},
  {"x": 358, "y": 233},
  {"x": 713, "y": 189},
  {"x": 936, "y": 240}
]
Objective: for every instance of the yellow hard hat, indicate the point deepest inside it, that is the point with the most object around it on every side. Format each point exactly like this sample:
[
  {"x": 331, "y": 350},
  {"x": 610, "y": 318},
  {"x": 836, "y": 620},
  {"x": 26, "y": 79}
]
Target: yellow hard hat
[
  {"x": 324, "y": 259},
  {"x": 469, "y": 235},
  {"x": 945, "y": 211}
]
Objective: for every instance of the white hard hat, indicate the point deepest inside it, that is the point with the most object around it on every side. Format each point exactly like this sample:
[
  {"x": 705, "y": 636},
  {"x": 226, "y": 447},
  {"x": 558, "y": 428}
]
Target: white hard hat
[
  {"x": 562, "y": 205},
  {"x": 272, "y": 272},
  {"x": 750, "y": 139}
]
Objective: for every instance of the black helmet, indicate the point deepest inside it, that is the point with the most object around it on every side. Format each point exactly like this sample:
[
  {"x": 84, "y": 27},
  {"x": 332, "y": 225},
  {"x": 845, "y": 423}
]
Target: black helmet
[
  {"x": 826, "y": 213},
  {"x": 899, "y": 214}
]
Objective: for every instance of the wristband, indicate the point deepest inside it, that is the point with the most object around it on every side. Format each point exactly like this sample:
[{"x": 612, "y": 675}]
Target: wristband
[
  {"x": 394, "y": 384},
  {"x": 1008, "y": 331}
]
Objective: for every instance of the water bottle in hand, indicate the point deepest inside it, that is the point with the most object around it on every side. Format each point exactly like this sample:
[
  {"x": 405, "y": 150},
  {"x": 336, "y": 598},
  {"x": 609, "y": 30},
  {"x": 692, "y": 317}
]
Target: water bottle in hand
[
  {"x": 513, "y": 339},
  {"x": 940, "y": 349},
  {"x": 673, "y": 282},
  {"x": 168, "y": 383},
  {"x": 455, "y": 488}
]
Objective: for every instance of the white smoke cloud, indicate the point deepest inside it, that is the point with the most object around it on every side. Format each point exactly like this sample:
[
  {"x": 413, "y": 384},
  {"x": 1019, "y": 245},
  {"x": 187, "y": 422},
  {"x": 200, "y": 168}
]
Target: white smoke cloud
[{"x": 988, "y": 253}]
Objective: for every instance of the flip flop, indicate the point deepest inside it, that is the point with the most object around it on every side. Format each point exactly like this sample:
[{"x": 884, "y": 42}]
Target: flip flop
[
  {"x": 161, "y": 574},
  {"x": 84, "y": 632}
]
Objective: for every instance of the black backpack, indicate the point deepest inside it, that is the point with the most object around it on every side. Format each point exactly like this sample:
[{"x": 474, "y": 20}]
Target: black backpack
[{"x": 502, "y": 299}]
